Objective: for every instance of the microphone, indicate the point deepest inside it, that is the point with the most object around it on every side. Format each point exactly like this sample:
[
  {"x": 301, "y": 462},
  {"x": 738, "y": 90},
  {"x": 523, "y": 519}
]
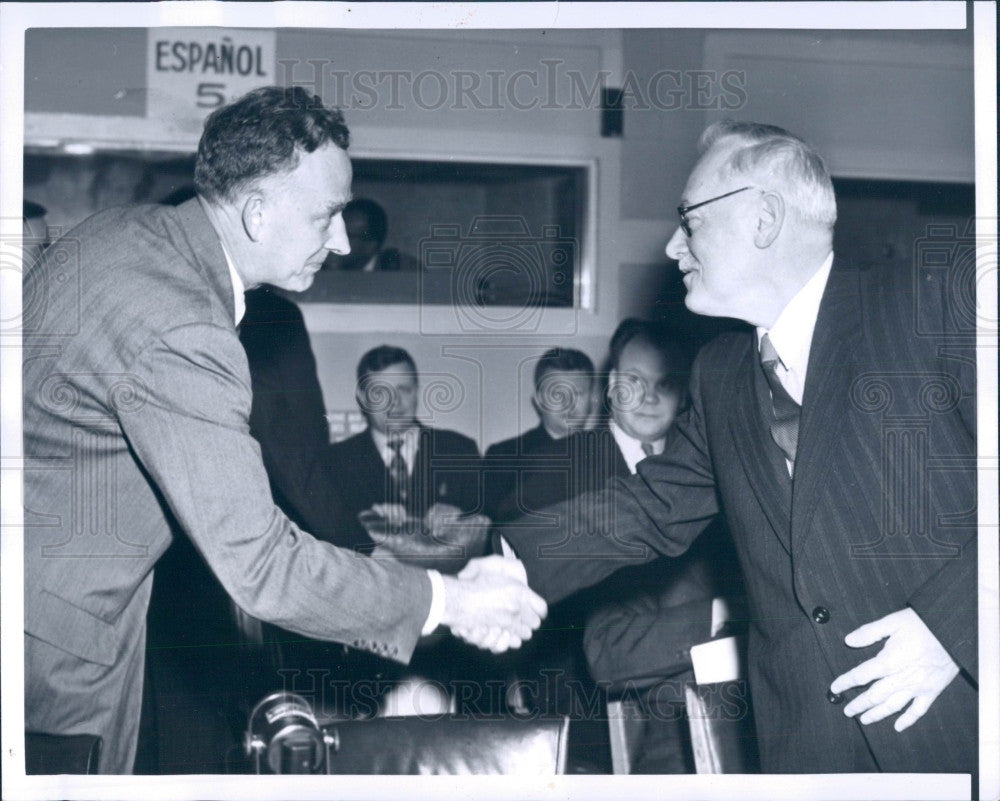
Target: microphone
[{"x": 283, "y": 736}]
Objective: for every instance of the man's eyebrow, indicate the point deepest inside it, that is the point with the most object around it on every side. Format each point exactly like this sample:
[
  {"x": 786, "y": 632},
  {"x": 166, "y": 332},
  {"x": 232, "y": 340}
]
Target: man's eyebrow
[{"x": 335, "y": 206}]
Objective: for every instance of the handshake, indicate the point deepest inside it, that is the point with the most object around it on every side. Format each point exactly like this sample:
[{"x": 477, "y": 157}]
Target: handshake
[{"x": 490, "y": 605}]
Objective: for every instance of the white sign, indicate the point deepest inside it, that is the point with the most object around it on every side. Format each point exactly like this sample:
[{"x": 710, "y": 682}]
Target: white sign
[{"x": 190, "y": 72}]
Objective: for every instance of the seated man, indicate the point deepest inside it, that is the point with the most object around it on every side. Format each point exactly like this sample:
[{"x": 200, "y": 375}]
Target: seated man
[
  {"x": 367, "y": 227},
  {"x": 563, "y": 400},
  {"x": 397, "y": 461},
  {"x": 646, "y": 387},
  {"x": 399, "y": 471}
]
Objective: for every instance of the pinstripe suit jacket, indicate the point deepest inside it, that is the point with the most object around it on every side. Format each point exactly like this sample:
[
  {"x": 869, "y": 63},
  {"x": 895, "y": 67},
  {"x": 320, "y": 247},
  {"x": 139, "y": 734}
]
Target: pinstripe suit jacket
[
  {"x": 881, "y": 515},
  {"x": 136, "y": 404}
]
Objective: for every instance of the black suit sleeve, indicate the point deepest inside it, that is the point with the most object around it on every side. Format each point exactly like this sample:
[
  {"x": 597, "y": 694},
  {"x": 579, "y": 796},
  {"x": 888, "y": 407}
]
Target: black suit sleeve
[
  {"x": 288, "y": 415},
  {"x": 660, "y": 510},
  {"x": 948, "y": 601},
  {"x": 644, "y": 639}
]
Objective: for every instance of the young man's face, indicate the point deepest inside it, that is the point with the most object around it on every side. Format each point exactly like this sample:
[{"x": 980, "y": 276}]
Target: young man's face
[
  {"x": 643, "y": 404},
  {"x": 389, "y": 398},
  {"x": 563, "y": 400}
]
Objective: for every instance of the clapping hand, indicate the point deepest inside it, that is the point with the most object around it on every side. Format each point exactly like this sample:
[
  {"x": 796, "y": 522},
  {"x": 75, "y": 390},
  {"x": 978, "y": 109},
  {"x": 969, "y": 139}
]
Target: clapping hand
[
  {"x": 457, "y": 532},
  {"x": 912, "y": 669},
  {"x": 445, "y": 539},
  {"x": 489, "y": 604}
]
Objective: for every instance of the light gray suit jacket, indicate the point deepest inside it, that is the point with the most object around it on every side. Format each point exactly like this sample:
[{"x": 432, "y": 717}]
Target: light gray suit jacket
[{"x": 136, "y": 404}]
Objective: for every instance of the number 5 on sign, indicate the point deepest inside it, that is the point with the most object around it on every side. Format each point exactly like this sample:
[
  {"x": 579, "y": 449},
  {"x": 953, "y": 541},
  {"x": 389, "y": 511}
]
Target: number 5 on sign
[{"x": 191, "y": 71}]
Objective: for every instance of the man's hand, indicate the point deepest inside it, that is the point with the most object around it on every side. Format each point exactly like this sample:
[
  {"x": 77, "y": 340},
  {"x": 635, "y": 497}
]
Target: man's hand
[
  {"x": 395, "y": 514},
  {"x": 911, "y": 667},
  {"x": 457, "y": 532},
  {"x": 444, "y": 540},
  {"x": 489, "y": 605}
]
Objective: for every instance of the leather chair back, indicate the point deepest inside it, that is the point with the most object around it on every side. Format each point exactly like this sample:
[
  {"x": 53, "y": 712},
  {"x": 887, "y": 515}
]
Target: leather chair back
[
  {"x": 54, "y": 754},
  {"x": 449, "y": 745}
]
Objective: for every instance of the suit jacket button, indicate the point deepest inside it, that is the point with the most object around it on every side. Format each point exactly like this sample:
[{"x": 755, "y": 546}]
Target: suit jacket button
[
  {"x": 821, "y": 614},
  {"x": 833, "y": 697}
]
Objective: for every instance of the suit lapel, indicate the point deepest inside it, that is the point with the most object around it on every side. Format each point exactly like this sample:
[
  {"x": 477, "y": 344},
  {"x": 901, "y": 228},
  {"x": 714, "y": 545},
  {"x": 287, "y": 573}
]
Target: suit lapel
[
  {"x": 608, "y": 455},
  {"x": 206, "y": 248},
  {"x": 620, "y": 466},
  {"x": 420, "y": 479},
  {"x": 762, "y": 462},
  {"x": 827, "y": 390}
]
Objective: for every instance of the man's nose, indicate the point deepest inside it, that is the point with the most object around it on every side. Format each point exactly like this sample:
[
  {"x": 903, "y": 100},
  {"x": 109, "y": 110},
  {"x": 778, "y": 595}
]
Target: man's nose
[
  {"x": 677, "y": 244},
  {"x": 337, "y": 240}
]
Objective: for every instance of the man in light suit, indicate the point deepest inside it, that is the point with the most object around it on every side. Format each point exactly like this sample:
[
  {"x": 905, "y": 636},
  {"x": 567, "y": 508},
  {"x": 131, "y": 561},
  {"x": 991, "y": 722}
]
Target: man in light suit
[
  {"x": 136, "y": 405},
  {"x": 838, "y": 441}
]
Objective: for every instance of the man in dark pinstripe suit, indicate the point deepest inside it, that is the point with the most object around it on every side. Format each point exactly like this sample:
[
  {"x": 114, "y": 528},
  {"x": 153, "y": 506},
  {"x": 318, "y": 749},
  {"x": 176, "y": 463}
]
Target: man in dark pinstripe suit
[{"x": 839, "y": 442}]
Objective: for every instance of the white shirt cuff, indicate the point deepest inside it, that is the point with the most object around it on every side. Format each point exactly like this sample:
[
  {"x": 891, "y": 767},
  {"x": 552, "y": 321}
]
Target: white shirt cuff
[
  {"x": 436, "y": 611},
  {"x": 720, "y": 615},
  {"x": 510, "y": 556}
]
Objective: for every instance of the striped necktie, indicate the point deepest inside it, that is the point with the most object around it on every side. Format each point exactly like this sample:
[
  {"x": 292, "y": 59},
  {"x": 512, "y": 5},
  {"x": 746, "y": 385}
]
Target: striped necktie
[
  {"x": 785, "y": 412},
  {"x": 398, "y": 476}
]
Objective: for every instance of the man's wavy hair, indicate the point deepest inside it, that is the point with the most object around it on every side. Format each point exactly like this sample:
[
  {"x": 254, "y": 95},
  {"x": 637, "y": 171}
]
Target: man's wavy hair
[
  {"x": 262, "y": 134},
  {"x": 790, "y": 165}
]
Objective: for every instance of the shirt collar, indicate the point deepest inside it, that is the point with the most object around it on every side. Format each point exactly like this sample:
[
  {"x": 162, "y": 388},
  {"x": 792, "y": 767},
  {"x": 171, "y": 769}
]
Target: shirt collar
[
  {"x": 408, "y": 449},
  {"x": 239, "y": 301},
  {"x": 630, "y": 447},
  {"x": 792, "y": 332}
]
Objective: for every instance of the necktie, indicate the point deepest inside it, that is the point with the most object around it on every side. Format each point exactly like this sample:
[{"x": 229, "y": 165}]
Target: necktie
[
  {"x": 397, "y": 471},
  {"x": 647, "y": 448},
  {"x": 785, "y": 411}
]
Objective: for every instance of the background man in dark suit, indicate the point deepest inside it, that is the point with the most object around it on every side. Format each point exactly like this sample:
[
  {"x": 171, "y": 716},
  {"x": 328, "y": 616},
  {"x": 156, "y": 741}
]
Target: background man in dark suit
[
  {"x": 407, "y": 472},
  {"x": 136, "y": 404},
  {"x": 647, "y": 385},
  {"x": 397, "y": 461},
  {"x": 863, "y": 636},
  {"x": 563, "y": 400}
]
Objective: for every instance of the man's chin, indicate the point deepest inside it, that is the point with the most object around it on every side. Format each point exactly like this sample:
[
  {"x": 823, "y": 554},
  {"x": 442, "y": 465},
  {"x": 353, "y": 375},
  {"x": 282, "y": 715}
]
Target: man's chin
[
  {"x": 695, "y": 302},
  {"x": 300, "y": 283}
]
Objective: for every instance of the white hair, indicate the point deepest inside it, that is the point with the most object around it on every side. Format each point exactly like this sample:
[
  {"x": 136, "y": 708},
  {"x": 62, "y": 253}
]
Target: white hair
[{"x": 789, "y": 163}]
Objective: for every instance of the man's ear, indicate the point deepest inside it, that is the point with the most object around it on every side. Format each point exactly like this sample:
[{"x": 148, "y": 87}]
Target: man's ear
[
  {"x": 253, "y": 216},
  {"x": 535, "y": 404},
  {"x": 609, "y": 390},
  {"x": 770, "y": 219}
]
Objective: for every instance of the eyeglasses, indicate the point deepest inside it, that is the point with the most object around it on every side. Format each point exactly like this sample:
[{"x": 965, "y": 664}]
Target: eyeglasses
[{"x": 684, "y": 210}]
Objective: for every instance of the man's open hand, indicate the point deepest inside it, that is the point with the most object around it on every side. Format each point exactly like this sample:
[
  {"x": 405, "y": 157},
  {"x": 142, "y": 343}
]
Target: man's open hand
[
  {"x": 912, "y": 668},
  {"x": 489, "y": 605},
  {"x": 456, "y": 532}
]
